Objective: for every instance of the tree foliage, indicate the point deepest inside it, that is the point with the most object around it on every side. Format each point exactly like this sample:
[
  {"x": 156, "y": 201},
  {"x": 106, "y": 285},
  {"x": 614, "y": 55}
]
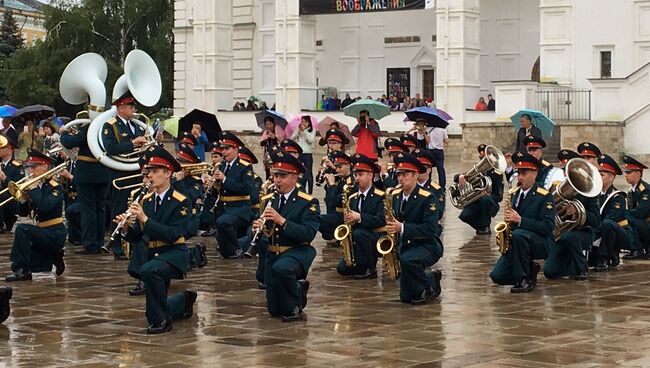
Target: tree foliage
[
  {"x": 10, "y": 38},
  {"x": 110, "y": 28}
]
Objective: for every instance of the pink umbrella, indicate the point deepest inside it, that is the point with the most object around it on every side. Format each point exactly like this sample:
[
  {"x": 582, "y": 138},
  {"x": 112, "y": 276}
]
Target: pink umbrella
[
  {"x": 324, "y": 126},
  {"x": 295, "y": 121}
]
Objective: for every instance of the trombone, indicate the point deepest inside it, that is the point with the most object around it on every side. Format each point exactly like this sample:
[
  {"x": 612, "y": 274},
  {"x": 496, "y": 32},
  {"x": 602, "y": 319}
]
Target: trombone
[
  {"x": 18, "y": 189},
  {"x": 196, "y": 169},
  {"x": 127, "y": 179}
]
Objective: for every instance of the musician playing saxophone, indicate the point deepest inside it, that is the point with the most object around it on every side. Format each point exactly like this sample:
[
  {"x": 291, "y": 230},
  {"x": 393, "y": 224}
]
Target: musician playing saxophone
[
  {"x": 367, "y": 217},
  {"x": 567, "y": 257},
  {"x": 416, "y": 217},
  {"x": 334, "y": 196},
  {"x": 479, "y": 214},
  {"x": 532, "y": 220}
]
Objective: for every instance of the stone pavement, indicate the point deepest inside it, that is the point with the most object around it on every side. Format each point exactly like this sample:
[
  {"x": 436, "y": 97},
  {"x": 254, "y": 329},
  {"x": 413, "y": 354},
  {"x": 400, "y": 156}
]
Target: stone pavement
[{"x": 86, "y": 319}]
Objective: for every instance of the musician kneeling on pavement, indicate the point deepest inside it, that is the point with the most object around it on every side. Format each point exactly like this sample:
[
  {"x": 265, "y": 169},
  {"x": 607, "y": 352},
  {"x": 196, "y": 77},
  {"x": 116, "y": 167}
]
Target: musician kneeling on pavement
[
  {"x": 614, "y": 232},
  {"x": 532, "y": 221},
  {"x": 424, "y": 180},
  {"x": 367, "y": 218},
  {"x": 290, "y": 224},
  {"x": 416, "y": 218},
  {"x": 37, "y": 247},
  {"x": 161, "y": 218},
  {"x": 638, "y": 212},
  {"x": 334, "y": 195}
]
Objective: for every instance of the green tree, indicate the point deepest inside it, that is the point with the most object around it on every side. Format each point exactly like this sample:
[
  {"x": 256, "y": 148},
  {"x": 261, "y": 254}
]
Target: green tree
[
  {"x": 10, "y": 38},
  {"x": 110, "y": 28}
]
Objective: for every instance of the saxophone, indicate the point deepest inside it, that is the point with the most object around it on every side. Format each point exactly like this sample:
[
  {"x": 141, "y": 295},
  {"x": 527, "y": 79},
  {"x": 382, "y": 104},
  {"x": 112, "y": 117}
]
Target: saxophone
[
  {"x": 502, "y": 229},
  {"x": 343, "y": 232},
  {"x": 387, "y": 244}
]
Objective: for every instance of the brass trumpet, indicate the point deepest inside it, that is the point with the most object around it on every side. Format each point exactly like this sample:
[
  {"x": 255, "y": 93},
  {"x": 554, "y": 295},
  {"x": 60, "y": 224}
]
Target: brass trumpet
[
  {"x": 127, "y": 179},
  {"x": 196, "y": 169},
  {"x": 18, "y": 189}
]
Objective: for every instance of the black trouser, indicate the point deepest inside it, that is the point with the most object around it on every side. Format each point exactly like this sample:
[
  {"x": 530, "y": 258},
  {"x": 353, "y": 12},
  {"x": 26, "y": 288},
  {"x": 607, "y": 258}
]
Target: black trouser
[
  {"x": 229, "y": 228},
  {"x": 8, "y": 214},
  {"x": 92, "y": 198},
  {"x": 308, "y": 161},
  {"x": 73, "y": 216}
]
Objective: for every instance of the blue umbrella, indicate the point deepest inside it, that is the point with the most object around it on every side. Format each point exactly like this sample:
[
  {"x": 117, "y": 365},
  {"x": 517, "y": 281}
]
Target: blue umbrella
[
  {"x": 376, "y": 109},
  {"x": 7, "y": 111},
  {"x": 278, "y": 118},
  {"x": 543, "y": 122},
  {"x": 429, "y": 115}
]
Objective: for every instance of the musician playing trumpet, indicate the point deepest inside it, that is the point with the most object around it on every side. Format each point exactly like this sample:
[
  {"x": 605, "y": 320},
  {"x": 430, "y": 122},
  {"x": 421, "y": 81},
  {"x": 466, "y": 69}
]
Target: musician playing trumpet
[
  {"x": 190, "y": 185},
  {"x": 416, "y": 217},
  {"x": 207, "y": 219},
  {"x": 121, "y": 136},
  {"x": 366, "y": 215},
  {"x": 37, "y": 248},
  {"x": 479, "y": 214},
  {"x": 532, "y": 221}
]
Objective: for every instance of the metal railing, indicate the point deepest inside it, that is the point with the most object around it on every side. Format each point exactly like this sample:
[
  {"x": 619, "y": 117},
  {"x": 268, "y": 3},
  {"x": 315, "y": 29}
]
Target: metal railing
[{"x": 565, "y": 104}]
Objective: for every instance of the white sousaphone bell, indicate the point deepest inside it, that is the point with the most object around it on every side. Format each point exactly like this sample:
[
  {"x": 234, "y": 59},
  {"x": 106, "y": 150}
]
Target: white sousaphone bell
[{"x": 83, "y": 80}]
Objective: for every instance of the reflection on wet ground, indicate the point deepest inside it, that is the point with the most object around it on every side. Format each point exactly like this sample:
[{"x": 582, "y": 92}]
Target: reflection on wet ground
[{"x": 86, "y": 318}]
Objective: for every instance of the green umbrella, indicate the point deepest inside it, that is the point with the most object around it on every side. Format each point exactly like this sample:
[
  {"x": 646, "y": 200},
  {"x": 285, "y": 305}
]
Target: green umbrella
[
  {"x": 253, "y": 98},
  {"x": 376, "y": 109},
  {"x": 171, "y": 126}
]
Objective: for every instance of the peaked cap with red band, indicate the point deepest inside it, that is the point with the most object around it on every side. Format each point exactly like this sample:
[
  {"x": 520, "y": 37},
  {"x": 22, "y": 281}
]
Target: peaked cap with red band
[
  {"x": 587, "y": 149},
  {"x": 159, "y": 157},
  {"x": 525, "y": 161},
  {"x": 284, "y": 162},
  {"x": 408, "y": 162},
  {"x": 364, "y": 163},
  {"x": 608, "y": 164},
  {"x": 632, "y": 164}
]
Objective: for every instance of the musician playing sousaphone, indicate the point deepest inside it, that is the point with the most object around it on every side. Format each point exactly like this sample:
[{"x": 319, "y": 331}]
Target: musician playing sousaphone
[
  {"x": 479, "y": 213},
  {"x": 120, "y": 136},
  {"x": 366, "y": 214},
  {"x": 531, "y": 221},
  {"x": 37, "y": 248}
]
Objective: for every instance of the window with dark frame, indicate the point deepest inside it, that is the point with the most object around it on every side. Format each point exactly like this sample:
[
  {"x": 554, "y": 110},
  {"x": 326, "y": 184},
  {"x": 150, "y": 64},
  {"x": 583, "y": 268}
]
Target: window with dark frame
[{"x": 605, "y": 64}]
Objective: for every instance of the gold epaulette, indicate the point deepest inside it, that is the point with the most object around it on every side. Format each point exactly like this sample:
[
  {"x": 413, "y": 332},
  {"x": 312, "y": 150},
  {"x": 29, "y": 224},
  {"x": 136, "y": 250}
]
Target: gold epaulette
[
  {"x": 244, "y": 163},
  {"x": 641, "y": 187},
  {"x": 424, "y": 193},
  {"x": 16, "y": 163},
  {"x": 379, "y": 192},
  {"x": 112, "y": 120},
  {"x": 305, "y": 196},
  {"x": 546, "y": 163},
  {"x": 178, "y": 196},
  {"x": 542, "y": 191},
  {"x": 266, "y": 197},
  {"x": 435, "y": 185}
]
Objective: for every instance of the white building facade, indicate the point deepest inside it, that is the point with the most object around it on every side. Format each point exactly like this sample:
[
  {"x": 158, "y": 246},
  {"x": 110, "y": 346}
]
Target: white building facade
[{"x": 454, "y": 52}]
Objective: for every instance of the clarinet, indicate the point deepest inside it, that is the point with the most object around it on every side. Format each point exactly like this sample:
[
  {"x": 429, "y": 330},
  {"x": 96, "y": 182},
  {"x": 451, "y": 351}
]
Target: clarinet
[
  {"x": 143, "y": 190},
  {"x": 256, "y": 235},
  {"x": 208, "y": 191}
]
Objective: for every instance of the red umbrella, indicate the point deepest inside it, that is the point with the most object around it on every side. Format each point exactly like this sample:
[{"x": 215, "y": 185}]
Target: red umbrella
[{"x": 325, "y": 125}]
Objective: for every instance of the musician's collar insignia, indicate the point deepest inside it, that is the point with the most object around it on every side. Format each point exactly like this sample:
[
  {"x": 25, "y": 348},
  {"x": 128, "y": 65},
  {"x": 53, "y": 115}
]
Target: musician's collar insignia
[
  {"x": 124, "y": 134},
  {"x": 549, "y": 205},
  {"x": 313, "y": 208},
  {"x": 55, "y": 193},
  {"x": 644, "y": 197},
  {"x": 433, "y": 207}
]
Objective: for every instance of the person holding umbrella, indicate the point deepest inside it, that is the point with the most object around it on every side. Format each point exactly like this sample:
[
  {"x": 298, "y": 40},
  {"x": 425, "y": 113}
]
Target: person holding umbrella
[
  {"x": 527, "y": 128},
  {"x": 201, "y": 141},
  {"x": 304, "y": 136},
  {"x": 366, "y": 131}
]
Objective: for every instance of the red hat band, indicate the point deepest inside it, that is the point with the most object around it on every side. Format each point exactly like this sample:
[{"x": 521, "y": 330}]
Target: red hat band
[
  {"x": 217, "y": 150},
  {"x": 185, "y": 156},
  {"x": 425, "y": 161},
  {"x": 526, "y": 165},
  {"x": 187, "y": 141},
  {"x": 229, "y": 142},
  {"x": 533, "y": 145},
  {"x": 407, "y": 166},
  {"x": 334, "y": 137},
  {"x": 159, "y": 161},
  {"x": 125, "y": 101},
  {"x": 362, "y": 166},
  {"x": 37, "y": 160},
  {"x": 394, "y": 149},
  {"x": 607, "y": 167},
  {"x": 290, "y": 149},
  {"x": 633, "y": 167},
  {"x": 245, "y": 157},
  {"x": 341, "y": 160},
  {"x": 285, "y": 167},
  {"x": 588, "y": 153},
  {"x": 409, "y": 143}
]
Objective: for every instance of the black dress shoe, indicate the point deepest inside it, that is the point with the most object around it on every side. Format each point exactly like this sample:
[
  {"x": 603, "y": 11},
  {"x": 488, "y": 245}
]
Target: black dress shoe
[
  {"x": 59, "y": 263},
  {"x": 424, "y": 298},
  {"x": 5, "y": 295},
  {"x": 209, "y": 232},
  {"x": 164, "y": 326},
  {"x": 532, "y": 273},
  {"x": 369, "y": 274},
  {"x": 261, "y": 285},
  {"x": 304, "y": 286},
  {"x": 635, "y": 254},
  {"x": 138, "y": 289},
  {"x": 437, "y": 276},
  {"x": 615, "y": 261},
  {"x": 297, "y": 315},
  {"x": 85, "y": 251},
  {"x": 204, "y": 256},
  {"x": 120, "y": 257},
  {"x": 237, "y": 255},
  {"x": 523, "y": 286},
  {"x": 190, "y": 298},
  {"x": 19, "y": 275},
  {"x": 601, "y": 265},
  {"x": 485, "y": 231},
  {"x": 581, "y": 276}
]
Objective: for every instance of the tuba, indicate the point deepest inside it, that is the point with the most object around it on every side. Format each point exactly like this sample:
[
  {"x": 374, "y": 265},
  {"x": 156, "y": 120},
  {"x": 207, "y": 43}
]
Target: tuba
[
  {"x": 477, "y": 182},
  {"x": 387, "y": 244},
  {"x": 343, "y": 232},
  {"x": 142, "y": 78},
  {"x": 581, "y": 178}
]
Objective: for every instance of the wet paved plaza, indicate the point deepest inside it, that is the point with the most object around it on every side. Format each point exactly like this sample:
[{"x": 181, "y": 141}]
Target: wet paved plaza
[{"x": 86, "y": 319}]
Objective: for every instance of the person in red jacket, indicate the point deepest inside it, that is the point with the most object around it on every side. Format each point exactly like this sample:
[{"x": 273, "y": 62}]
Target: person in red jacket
[{"x": 366, "y": 131}]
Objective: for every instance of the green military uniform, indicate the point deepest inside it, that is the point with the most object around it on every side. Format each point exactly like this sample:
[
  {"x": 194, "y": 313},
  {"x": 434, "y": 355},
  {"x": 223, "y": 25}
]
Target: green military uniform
[
  {"x": 638, "y": 214},
  {"x": 614, "y": 232},
  {"x": 37, "y": 247},
  {"x": 191, "y": 187},
  {"x": 168, "y": 255},
  {"x": 479, "y": 214},
  {"x": 117, "y": 135},
  {"x": 333, "y": 203},
  {"x": 365, "y": 233},
  {"x": 13, "y": 171},
  {"x": 72, "y": 210},
  {"x": 91, "y": 181}
]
